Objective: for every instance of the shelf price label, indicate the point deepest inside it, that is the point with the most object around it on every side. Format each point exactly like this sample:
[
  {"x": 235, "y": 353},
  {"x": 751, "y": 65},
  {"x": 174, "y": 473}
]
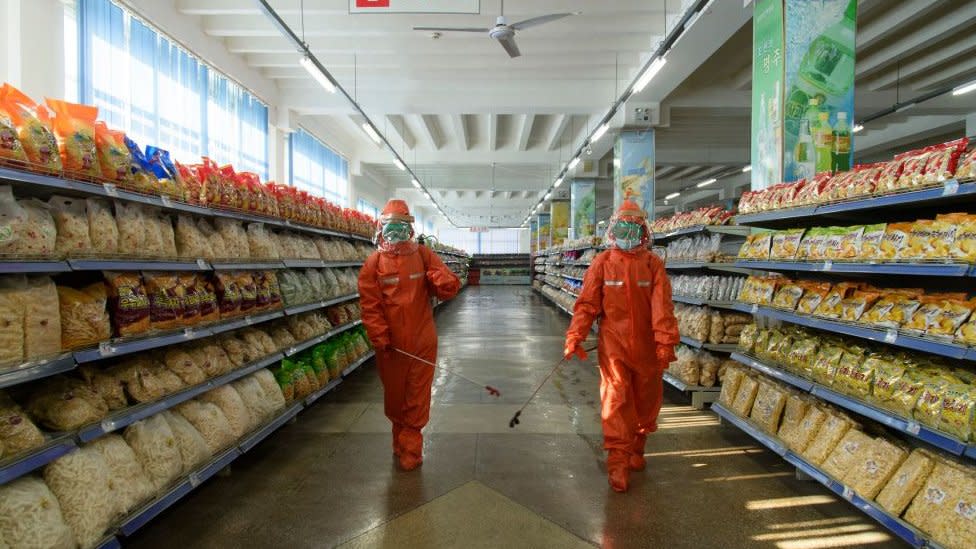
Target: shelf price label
[
  {"x": 166, "y": 201},
  {"x": 828, "y": 265},
  {"x": 891, "y": 335},
  {"x": 202, "y": 264},
  {"x": 848, "y": 493},
  {"x": 950, "y": 188},
  {"x": 195, "y": 479},
  {"x": 755, "y": 309},
  {"x": 111, "y": 189},
  {"x": 105, "y": 349},
  {"x": 913, "y": 428}
]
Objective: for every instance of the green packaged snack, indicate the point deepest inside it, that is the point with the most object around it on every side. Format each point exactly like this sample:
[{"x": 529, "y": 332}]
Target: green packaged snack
[
  {"x": 332, "y": 360},
  {"x": 282, "y": 375},
  {"x": 747, "y": 338},
  {"x": 802, "y": 354},
  {"x": 320, "y": 365},
  {"x": 826, "y": 363},
  {"x": 959, "y": 411}
]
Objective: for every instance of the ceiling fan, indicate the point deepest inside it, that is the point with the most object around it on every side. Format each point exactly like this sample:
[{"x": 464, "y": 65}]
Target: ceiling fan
[{"x": 502, "y": 31}]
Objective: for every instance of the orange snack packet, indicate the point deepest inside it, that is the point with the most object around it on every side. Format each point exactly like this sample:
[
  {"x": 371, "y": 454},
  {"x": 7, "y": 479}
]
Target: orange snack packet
[
  {"x": 33, "y": 125},
  {"x": 74, "y": 127},
  {"x": 114, "y": 157}
]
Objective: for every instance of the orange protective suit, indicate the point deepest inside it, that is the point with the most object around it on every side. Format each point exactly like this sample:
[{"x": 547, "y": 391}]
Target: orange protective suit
[
  {"x": 629, "y": 292},
  {"x": 395, "y": 287}
]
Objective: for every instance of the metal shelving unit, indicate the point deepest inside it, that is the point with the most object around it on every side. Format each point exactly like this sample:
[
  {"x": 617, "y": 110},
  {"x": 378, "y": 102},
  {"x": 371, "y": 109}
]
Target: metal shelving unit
[
  {"x": 17, "y": 466},
  {"x": 717, "y": 347},
  {"x": 697, "y": 301},
  {"x": 700, "y": 396},
  {"x": 700, "y": 229},
  {"x": 906, "y": 269}
]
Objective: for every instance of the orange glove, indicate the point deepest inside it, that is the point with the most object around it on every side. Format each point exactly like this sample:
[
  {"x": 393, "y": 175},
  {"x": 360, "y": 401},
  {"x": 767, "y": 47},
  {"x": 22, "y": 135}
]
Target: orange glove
[
  {"x": 574, "y": 347},
  {"x": 665, "y": 355}
]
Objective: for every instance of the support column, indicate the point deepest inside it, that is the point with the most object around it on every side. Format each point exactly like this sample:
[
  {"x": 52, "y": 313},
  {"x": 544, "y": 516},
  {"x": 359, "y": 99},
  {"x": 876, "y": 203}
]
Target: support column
[
  {"x": 634, "y": 174},
  {"x": 582, "y": 213},
  {"x": 559, "y": 212},
  {"x": 803, "y": 88},
  {"x": 971, "y": 125}
]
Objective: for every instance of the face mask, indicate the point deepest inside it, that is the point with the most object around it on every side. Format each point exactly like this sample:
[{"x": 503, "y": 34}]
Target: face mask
[
  {"x": 627, "y": 235},
  {"x": 396, "y": 232}
]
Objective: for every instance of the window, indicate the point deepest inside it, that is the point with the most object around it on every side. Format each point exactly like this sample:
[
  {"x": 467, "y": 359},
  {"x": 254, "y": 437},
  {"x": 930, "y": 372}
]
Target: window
[
  {"x": 318, "y": 169},
  {"x": 367, "y": 207},
  {"x": 495, "y": 241},
  {"x": 160, "y": 95}
]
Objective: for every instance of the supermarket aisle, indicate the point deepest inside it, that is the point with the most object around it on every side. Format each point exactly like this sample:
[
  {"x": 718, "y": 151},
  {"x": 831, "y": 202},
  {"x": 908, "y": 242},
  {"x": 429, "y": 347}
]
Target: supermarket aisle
[{"x": 330, "y": 478}]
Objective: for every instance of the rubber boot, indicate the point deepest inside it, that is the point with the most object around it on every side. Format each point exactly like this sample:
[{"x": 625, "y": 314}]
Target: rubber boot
[
  {"x": 618, "y": 470},
  {"x": 411, "y": 449},
  {"x": 637, "y": 461}
]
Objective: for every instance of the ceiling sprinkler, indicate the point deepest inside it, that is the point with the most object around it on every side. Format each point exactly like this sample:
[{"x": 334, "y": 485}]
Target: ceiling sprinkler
[{"x": 435, "y": 35}]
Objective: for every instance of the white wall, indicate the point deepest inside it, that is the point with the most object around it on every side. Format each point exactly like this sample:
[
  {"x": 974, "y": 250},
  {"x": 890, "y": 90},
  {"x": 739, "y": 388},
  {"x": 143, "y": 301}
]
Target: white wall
[{"x": 33, "y": 62}]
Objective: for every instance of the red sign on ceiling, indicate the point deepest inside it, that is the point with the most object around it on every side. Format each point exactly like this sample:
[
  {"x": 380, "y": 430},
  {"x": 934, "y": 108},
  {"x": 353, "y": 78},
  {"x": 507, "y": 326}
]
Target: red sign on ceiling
[{"x": 372, "y": 3}]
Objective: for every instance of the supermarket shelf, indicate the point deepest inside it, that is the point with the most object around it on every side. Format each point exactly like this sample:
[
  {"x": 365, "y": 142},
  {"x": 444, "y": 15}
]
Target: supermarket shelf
[
  {"x": 895, "y": 525},
  {"x": 37, "y": 369},
  {"x": 355, "y": 365},
  {"x": 299, "y": 347},
  {"x": 17, "y": 266},
  {"x": 571, "y": 277},
  {"x": 682, "y": 386},
  {"x": 686, "y": 265},
  {"x": 341, "y": 264},
  {"x": 889, "y": 336},
  {"x": 20, "y": 465},
  {"x": 931, "y": 436},
  {"x": 298, "y": 309},
  {"x": 771, "y": 442},
  {"x": 110, "y": 542},
  {"x": 151, "y": 510},
  {"x": 733, "y": 230},
  {"x": 563, "y": 309},
  {"x": 58, "y": 185},
  {"x": 128, "y": 416},
  {"x": 696, "y": 301},
  {"x": 252, "y": 440},
  {"x": 908, "y": 269},
  {"x": 137, "y": 265},
  {"x": 248, "y": 266},
  {"x": 717, "y": 347},
  {"x": 248, "y": 320},
  {"x": 318, "y": 263},
  {"x": 951, "y": 191}
]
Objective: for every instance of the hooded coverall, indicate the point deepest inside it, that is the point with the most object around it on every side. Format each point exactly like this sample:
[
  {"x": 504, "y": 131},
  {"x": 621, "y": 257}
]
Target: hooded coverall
[{"x": 395, "y": 287}]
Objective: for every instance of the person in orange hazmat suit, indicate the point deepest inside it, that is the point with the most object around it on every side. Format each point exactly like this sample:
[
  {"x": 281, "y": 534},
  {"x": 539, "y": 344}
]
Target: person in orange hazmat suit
[
  {"x": 395, "y": 287},
  {"x": 627, "y": 289}
]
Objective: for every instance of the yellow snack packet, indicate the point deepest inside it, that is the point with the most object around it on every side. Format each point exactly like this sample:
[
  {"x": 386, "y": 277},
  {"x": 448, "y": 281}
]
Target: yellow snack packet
[
  {"x": 811, "y": 245},
  {"x": 850, "y": 243},
  {"x": 826, "y": 363},
  {"x": 959, "y": 411},
  {"x": 833, "y": 243},
  {"x": 786, "y": 243},
  {"x": 814, "y": 294},
  {"x": 830, "y": 306},
  {"x": 964, "y": 246},
  {"x": 895, "y": 240},
  {"x": 854, "y": 306},
  {"x": 871, "y": 240}
]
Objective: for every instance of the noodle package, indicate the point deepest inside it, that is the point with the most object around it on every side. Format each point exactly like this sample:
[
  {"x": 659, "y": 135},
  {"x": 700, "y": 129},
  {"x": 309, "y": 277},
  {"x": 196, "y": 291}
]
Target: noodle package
[
  {"x": 74, "y": 127},
  {"x": 114, "y": 158},
  {"x": 33, "y": 125}
]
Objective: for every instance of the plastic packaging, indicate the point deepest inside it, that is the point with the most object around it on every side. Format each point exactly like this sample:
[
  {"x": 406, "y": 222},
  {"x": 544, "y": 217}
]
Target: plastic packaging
[
  {"x": 210, "y": 422},
  {"x": 182, "y": 364},
  {"x": 42, "y": 318},
  {"x": 130, "y": 483},
  {"x": 132, "y": 223},
  {"x": 155, "y": 446},
  {"x": 193, "y": 448},
  {"x": 114, "y": 158},
  {"x": 71, "y": 220},
  {"x": 33, "y": 124},
  {"x": 906, "y": 482},
  {"x": 38, "y": 234},
  {"x": 84, "y": 320},
  {"x": 17, "y": 431},
  {"x": 81, "y": 481},
  {"x": 74, "y": 128},
  {"x": 260, "y": 243},
  {"x": 165, "y": 305},
  {"x": 30, "y": 516},
  {"x": 106, "y": 385},
  {"x": 129, "y": 303}
]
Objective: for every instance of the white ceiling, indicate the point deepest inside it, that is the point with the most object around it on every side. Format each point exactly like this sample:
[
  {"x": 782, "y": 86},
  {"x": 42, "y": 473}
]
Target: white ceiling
[{"x": 456, "y": 106}]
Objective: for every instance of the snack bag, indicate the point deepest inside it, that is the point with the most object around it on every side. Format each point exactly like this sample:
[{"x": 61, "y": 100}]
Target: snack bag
[
  {"x": 228, "y": 294},
  {"x": 248, "y": 289},
  {"x": 967, "y": 165},
  {"x": 895, "y": 240},
  {"x": 189, "y": 298},
  {"x": 114, "y": 157},
  {"x": 813, "y": 295},
  {"x": 890, "y": 309},
  {"x": 207, "y": 295},
  {"x": 826, "y": 363},
  {"x": 33, "y": 124},
  {"x": 932, "y": 239},
  {"x": 952, "y": 314},
  {"x": 891, "y": 172},
  {"x": 128, "y": 302},
  {"x": 84, "y": 320},
  {"x": 74, "y": 127},
  {"x": 967, "y": 332},
  {"x": 103, "y": 230},
  {"x": 802, "y": 355},
  {"x": 812, "y": 246},
  {"x": 855, "y": 373},
  {"x": 833, "y": 243},
  {"x": 71, "y": 219},
  {"x": 850, "y": 244},
  {"x": 888, "y": 371},
  {"x": 830, "y": 306},
  {"x": 165, "y": 304},
  {"x": 959, "y": 411},
  {"x": 963, "y": 247},
  {"x": 167, "y": 176},
  {"x": 143, "y": 178},
  {"x": 914, "y": 169},
  {"x": 871, "y": 239},
  {"x": 943, "y": 162},
  {"x": 745, "y": 251},
  {"x": 788, "y": 295},
  {"x": 10, "y": 147},
  {"x": 854, "y": 306},
  {"x": 786, "y": 243}
]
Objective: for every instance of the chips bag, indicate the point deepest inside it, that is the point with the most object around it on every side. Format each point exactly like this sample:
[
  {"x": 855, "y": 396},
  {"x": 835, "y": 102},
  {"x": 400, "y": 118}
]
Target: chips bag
[
  {"x": 74, "y": 127},
  {"x": 33, "y": 128},
  {"x": 114, "y": 157}
]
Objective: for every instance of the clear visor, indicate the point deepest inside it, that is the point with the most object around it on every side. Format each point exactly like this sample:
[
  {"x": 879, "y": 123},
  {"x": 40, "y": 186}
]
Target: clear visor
[
  {"x": 627, "y": 230},
  {"x": 396, "y": 231}
]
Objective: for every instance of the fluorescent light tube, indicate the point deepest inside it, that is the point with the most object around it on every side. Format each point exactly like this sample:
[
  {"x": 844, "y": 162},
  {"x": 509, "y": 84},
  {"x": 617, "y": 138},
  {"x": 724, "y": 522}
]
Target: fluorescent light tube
[
  {"x": 547, "y": 197},
  {"x": 399, "y": 164},
  {"x": 558, "y": 182},
  {"x": 672, "y": 195},
  {"x": 371, "y": 133},
  {"x": 415, "y": 183},
  {"x": 965, "y": 88},
  {"x": 648, "y": 75},
  {"x": 857, "y": 128},
  {"x": 706, "y": 183},
  {"x": 599, "y": 132},
  {"x": 573, "y": 163},
  {"x": 747, "y": 169},
  {"x": 319, "y": 76}
]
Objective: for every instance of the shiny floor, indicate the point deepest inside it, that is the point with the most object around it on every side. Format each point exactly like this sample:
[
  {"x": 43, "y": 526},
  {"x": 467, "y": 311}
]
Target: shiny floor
[{"x": 329, "y": 479}]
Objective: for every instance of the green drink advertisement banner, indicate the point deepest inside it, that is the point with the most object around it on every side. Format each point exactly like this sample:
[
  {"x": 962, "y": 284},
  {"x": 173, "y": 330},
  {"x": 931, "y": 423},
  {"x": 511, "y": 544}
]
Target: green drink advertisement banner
[
  {"x": 819, "y": 101},
  {"x": 544, "y": 232},
  {"x": 583, "y": 208},
  {"x": 767, "y": 93},
  {"x": 559, "y": 221},
  {"x": 803, "y": 88}
]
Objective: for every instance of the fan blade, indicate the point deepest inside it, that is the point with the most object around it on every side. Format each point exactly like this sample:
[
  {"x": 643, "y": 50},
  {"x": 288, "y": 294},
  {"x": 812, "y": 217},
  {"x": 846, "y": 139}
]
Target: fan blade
[
  {"x": 448, "y": 29},
  {"x": 510, "y": 46},
  {"x": 541, "y": 20}
]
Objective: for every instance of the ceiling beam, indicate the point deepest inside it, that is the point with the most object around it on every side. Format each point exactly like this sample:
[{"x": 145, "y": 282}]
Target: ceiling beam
[
  {"x": 399, "y": 124},
  {"x": 524, "y": 131},
  {"x": 898, "y": 15},
  {"x": 461, "y": 132},
  {"x": 420, "y": 44},
  {"x": 341, "y": 7},
  {"x": 432, "y": 130},
  {"x": 911, "y": 129},
  {"x": 559, "y": 124},
  {"x": 959, "y": 46},
  {"x": 952, "y": 73},
  {"x": 493, "y": 132}
]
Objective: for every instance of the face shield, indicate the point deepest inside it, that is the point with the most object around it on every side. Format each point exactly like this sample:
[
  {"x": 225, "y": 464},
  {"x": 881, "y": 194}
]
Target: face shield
[
  {"x": 395, "y": 236},
  {"x": 627, "y": 232},
  {"x": 396, "y": 232}
]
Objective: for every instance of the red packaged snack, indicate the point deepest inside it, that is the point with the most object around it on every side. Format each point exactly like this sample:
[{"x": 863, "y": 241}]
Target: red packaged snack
[
  {"x": 165, "y": 303},
  {"x": 248, "y": 290},
  {"x": 914, "y": 169},
  {"x": 967, "y": 165},
  {"x": 190, "y": 296},
  {"x": 228, "y": 294},
  {"x": 192, "y": 186},
  {"x": 942, "y": 163},
  {"x": 888, "y": 180},
  {"x": 207, "y": 297},
  {"x": 128, "y": 303}
]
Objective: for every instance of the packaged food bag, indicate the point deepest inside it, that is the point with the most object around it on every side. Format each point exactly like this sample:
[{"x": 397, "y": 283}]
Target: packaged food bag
[
  {"x": 10, "y": 146},
  {"x": 74, "y": 128},
  {"x": 114, "y": 158},
  {"x": 84, "y": 319},
  {"x": 33, "y": 125},
  {"x": 842, "y": 457},
  {"x": 103, "y": 231},
  {"x": 252, "y": 394},
  {"x": 42, "y": 320},
  {"x": 833, "y": 429},
  {"x": 165, "y": 304},
  {"x": 105, "y": 384},
  {"x": 71, "y": 219},
  {"x": 228, "y": 294},
  {"x": 155, "y": 447},
  {"x": 165, "y": 223},
  {"x": 260, "y": 244},
  {"x": 193, "y": 448},
  {"x": 872, "y": 466},
  {"x": 745, "y": 396},
  {"x": 18, "y": 433},
  {"x": 933, "y": 506},
  {"x": 807, "y": 430},
  {"x": 82, "y": 483},
  {"x": 794, "y": 411},
  {"x": 153, "y": 246},
  {"x": 37, "y": 235},
  {"x": 63, "y": 404},
  {"x": 906, "y": 481},
  {"x": 30, "y": 516},
  {"x": 229, "y": 401},
  {"x": 130, "y": 482},
  {"x": 768, "y": 406},
  {"x": 209, "y": 306},
  {"x": 131, "y": 223}
]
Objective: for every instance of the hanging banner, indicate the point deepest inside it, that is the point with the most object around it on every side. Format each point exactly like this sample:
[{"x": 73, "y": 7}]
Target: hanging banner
[
  {"x": 802, "y": 89},
  {"x": 544, "y": 235},
  {"x": 560, "y": 221},
  {"x": 767, "y": 93},
  {"x": 415, "y": 6},
  {"x": 819, "y": 72},
  {"x": 583, "y": 207},
  {"x": 634, "y": 177},
  {"x": 533, "y": 234}
]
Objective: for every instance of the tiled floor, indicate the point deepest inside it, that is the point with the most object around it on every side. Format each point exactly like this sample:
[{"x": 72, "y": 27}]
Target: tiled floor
[{"x": 329, "y": 479}]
